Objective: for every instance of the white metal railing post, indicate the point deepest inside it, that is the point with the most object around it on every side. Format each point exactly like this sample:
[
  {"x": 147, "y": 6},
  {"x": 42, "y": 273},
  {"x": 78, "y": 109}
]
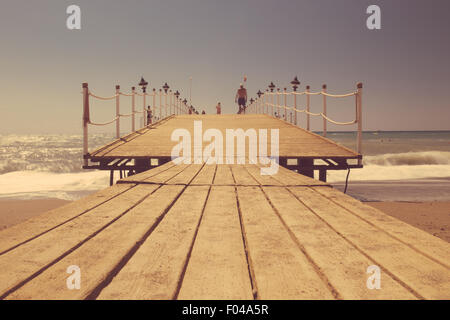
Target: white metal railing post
[
  {"x": 295, "y": 107},
  {"x": 324, "y": 112},
  {"x": 285, "y": 104},
  {"x": 359, "y": 119},
  {"x": 278, "y": 102},
  {"x": 117, "y": 111},
  {"x": 260, "y": 100},
  {"x": 144, "y": 113},
  {"x": 133, "y": 92},
  {"x": 307, "y": 109},
  {"x": 160, "y": 104},
  {"x": 165, "y": 104},
  {"x": 170, "y": 102},
  {"x": 85, "y": 121},
  {"x": 154, "y": 104}
]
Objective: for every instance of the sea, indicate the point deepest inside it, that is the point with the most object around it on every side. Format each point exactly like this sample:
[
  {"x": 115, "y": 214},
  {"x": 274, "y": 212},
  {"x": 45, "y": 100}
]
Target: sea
[{"x": 398, "y": 166}]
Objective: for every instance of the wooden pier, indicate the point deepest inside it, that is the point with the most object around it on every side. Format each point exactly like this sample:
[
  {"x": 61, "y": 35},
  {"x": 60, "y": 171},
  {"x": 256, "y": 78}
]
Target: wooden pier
[
  {"x": 299, "y": 149},
  {"x": 220, "y": 232}
]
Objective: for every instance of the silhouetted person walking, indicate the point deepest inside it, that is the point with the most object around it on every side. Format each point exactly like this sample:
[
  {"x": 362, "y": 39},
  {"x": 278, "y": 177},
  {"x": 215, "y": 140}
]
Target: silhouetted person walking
[
  {"x": 241, "y": 98},
  {"x": 149, "y": 115},
  {"x": 219, "y": 108}
]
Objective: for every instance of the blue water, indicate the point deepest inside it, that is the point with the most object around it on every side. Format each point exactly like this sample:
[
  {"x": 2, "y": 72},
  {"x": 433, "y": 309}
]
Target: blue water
[{"x": 33, "y": 166}]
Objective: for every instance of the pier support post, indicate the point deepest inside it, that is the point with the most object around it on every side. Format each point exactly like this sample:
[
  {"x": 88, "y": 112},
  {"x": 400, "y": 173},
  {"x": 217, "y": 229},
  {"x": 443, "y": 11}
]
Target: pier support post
[
  {"x": 324, "y": 90},
  {"x": 85, "y": 121},
  {"x": 117, "y": 111},
  {"x": 111, "y": 177},
  {"x": 323, "y": 175},
  {"x": 305, "y": 167}
]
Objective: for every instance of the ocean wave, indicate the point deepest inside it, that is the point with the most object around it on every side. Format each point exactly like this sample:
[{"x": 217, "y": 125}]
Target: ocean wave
[
  {"x": 67, "y": 186},
  {"x": 385, "y": 173},
  {"x": 45, "y": 153},
  {"x": 409, "y": 159}
]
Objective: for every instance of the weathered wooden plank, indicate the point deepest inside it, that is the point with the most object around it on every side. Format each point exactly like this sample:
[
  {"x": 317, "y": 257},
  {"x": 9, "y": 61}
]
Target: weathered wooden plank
[
  {"x": 154, "y": 271},
  {"x": 429, "y": 245},
  {"x": 266, "y": 180},
  {"x": 342, "y": 264},
  {"x": 217, "y": 267},
  {"x": 24, "y": 261},
  {"x": 147, "y": 174},
  {"x": 186, "y": 176},
  {"x": 242, "y": 177},
  {"x": 95, "y": 259},
  {"x": 223, "y": 176},
  {"x": 294, "y": 141},
  {"x": 165, "y": 176},
  {"x": 33, "y": 227},
  {"x": 288, "y": 177},
  {"x": 280, "y": 268},
  {"x": 423, "y": 276},
  {"x": 205, "y": 176}
]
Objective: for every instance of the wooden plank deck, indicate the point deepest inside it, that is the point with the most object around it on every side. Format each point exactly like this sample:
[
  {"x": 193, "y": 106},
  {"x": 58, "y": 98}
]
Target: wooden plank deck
[
  {"x": 220, "y": 232},
  {"x": 155, "y": 140}
]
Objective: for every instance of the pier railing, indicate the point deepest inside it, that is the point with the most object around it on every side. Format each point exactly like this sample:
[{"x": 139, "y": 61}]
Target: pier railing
[
  {"x": 164, "y": 103},
  {"x": 274, "y": 103}
]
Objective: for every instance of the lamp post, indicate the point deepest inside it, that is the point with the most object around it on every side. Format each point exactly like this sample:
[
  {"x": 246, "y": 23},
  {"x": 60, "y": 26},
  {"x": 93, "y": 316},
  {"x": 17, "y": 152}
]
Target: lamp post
[
  {"x": 154, "y": 103},
  {"x": 295, "y": 83},
  {"x": 259, "y": 93},
  {"x": 185, "y": 106},
  {"x": 143, "y": 84},
  {"x": 271, "y": 87},
  {"x": 176, "y": 94},
  {"x": 190, "y": 90},
  {"x": 165, "y": 87}
]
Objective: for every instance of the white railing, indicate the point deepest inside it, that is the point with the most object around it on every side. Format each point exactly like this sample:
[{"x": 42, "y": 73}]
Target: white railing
[
  {"x": 274, "y": 103},
  {"x": 170, "y": 105}
]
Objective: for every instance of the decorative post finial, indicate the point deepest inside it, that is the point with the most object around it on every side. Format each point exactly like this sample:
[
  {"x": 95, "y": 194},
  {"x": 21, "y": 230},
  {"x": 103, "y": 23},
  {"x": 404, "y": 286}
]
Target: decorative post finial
[{"x": 295, "y": 83}]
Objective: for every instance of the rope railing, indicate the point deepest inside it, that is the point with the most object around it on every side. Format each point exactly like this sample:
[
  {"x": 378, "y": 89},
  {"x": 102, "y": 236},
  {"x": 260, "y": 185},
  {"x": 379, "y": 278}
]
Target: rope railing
[
  {"x": 169, "y": 104},
  {"x": 275, "y": 103}
]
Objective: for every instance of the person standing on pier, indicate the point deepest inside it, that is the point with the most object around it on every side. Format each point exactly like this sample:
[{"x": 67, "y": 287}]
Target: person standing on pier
[
  {"x": 149, "y": 115},
  {"x": 241, "y": 98},
  {"x": 219, "y": 108}
]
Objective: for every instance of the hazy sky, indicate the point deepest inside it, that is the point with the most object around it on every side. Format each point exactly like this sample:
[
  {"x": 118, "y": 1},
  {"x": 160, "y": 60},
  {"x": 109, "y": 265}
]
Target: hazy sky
[{"x": 404, "y": 66}]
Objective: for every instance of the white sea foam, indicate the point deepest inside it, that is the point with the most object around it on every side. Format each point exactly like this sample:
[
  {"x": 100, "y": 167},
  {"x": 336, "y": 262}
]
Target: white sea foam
[
  {"x": 399, "y": 166},
  {"x": 44, "y": 166},
  {"x": 409, "y": 158},
  {"x": 35, "y": 184}
]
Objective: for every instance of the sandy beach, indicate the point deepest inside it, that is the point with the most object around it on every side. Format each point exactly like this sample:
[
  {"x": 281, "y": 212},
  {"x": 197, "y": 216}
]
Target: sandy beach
[
  {"x": 15, "y": 211},
  {"x": 432, "y": 217}
]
